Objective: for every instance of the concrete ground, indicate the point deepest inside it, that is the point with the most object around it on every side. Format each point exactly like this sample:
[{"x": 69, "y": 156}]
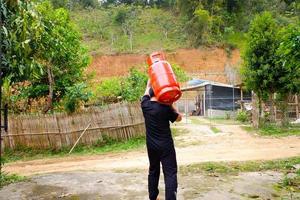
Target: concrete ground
[{"x": 115, "y": 176}]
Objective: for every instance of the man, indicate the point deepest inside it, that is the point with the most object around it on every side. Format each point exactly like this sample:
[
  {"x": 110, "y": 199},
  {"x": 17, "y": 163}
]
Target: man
[{"x": 160, "y": 145}]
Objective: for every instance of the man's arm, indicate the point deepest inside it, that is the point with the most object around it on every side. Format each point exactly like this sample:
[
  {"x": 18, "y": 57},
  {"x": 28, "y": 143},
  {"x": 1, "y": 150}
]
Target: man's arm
[
  {"x": 179, "y": 117},
  {"x": 147, "y": 88}
]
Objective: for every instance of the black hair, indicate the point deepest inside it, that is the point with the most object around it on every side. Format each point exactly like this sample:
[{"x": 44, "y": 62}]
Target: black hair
[{"x": 151, "y": 92}]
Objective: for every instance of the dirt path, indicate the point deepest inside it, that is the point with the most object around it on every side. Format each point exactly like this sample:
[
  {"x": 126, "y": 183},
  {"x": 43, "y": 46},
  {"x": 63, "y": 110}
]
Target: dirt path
[{"x": 195, "y": 143}]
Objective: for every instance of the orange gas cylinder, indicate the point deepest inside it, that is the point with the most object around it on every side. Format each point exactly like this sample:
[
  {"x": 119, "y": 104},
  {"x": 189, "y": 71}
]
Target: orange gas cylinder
[{"x": 163, "y": 80}]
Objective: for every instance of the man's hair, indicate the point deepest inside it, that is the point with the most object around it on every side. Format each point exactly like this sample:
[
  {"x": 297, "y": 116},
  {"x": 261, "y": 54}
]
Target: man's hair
[{"x": 151, "y": 92}]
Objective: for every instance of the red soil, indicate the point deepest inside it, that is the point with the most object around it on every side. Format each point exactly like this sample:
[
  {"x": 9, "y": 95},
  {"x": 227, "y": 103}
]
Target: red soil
[{"x": 201, "y": 63}]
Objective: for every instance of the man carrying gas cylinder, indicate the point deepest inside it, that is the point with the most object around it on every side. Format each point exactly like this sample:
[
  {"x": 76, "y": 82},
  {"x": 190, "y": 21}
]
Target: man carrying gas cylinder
[{"x": 157, "y": 104}]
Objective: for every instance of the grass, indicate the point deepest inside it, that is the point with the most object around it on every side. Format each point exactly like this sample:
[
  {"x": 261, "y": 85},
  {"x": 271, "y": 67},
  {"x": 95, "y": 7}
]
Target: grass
[
  {"x": 270, "y": 130},
  {"x": 237, "y": 39},
  {"x": 102, "y": 35},
  {"x": 215, "y": 129},
  {"x": 6, "y": 179},
  {"x": 178, "y": 131},
  {"x": 107, "y": 145},
  {"x": 275, "y": 130},
  {"x": 213, "y": 120},
  {"x": 290, "y": 183},
  {"x": 282, "y": 165}
]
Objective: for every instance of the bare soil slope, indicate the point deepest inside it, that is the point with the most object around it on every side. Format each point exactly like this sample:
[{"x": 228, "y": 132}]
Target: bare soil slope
[{"x": 206, "y": 63}]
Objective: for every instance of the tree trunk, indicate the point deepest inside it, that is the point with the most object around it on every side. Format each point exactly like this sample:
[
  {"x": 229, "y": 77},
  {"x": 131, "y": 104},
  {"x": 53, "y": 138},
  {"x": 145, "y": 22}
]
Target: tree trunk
[
  {"x": 272, "y": 113},
  {"x": 166, "y": 34},
  {"x": 284, "y": 109},
  {"x": 255, "y": 110},
  {"x": 261, "y": 112},
  {"x": 51, "y": 85},
  {"x": 130, "y": 41}
]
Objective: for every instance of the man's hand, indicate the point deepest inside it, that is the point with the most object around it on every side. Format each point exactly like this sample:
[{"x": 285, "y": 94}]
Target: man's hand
[
  {"x": 179, "y": 118},
  {"x": 148, "y": 88}
]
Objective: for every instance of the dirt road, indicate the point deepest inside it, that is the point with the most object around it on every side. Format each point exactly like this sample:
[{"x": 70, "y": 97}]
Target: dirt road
[{"x": 195, "y": 143}]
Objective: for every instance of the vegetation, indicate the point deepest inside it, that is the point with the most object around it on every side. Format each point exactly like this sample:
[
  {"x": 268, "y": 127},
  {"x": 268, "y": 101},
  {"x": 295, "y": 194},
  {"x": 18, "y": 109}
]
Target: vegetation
[
  {"x": 38, "y": 72},
  {"x": 283, "y": 165},
  {"x": 275, "y": 130},
  {"x": 42, "y": 51},
  {"x": 102, "y": 146},
  {"x": 128, "y": 88},
  {"x": 216, "y": 21},
  {"x": 242, "y": 116},
  {"x": 76, "y": 95},
  {"x": 215, "y": 129},
  {"x": 267, "y": 70},
  {"x": 129, "y": 29},
  {"x": 288, "y": 54},
  {"x": 286, "y": 166},
  {"x": 6, "y": 179},
  {"x": 143, "y": 26},
  {"x": 260, "y": 72},
  {"x": 291, "y": 183}
]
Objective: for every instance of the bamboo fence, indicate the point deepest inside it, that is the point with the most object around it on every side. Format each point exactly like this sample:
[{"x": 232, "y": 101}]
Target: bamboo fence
[{"x": 118, "y": 121}]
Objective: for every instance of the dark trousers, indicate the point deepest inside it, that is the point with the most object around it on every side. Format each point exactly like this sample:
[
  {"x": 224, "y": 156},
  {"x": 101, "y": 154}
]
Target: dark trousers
[{"x": 167, "y": 158}]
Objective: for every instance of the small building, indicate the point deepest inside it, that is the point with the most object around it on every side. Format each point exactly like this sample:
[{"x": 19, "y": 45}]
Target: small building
[{"x": 211, "y": 99}]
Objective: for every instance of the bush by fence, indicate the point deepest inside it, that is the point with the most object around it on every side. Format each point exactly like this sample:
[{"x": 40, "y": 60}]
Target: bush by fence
[{"x": 118, "y": 121}]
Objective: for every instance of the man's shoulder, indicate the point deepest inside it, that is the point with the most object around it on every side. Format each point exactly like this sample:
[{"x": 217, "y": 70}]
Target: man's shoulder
[{"x": 144, "y": 100}]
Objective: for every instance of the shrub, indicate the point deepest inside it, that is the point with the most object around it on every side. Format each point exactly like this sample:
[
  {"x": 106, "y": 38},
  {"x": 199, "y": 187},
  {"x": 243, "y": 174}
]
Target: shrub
[
  {"x": 181, "y": 75},
  {"x": 75, "y": 95},
  {"x": 130, "y": 87},
  {"x": 242, "y": 116},
  {"x": 133, "y": 86},
  {"x": 109, "y": 90}
]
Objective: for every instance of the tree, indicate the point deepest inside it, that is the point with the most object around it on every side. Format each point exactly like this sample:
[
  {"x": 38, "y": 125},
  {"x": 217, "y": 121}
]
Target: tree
[
  {"x": 199, "y": 27},
  {"x": 42, "y": 47},
  {"x": 233, "y": 5},
  {"x": 20, "y": 34},
  {"x": 60, "y": 3},
  {"x": 187, "y": 7},
  {"x": 63, "y": 57},
  {"x": 126, "y": 17},
  {"x": 260, "y": 73},
  {"x": 288, "y": 62},
  {"x": 133, "y": 85},
  {"x": 289, "y": 59}
]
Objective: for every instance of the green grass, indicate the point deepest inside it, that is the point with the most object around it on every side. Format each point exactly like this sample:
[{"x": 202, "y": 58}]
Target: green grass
[
  {"x": 290, "y": 183},
  {"x": 215, "y": 129},
  {"x": 178, "y": 131},
  {"x": 6, "y": 179},
  {"x": 270, "y": 130},
  {"x": 275, "y": 130},
  {"x": 222, "y": 121},
  {"x": 102, "y": 35},
  {"x": 282, "y": 165},
  {"x": 237, "y": 39},
  {"x": 105, "y": 146}
]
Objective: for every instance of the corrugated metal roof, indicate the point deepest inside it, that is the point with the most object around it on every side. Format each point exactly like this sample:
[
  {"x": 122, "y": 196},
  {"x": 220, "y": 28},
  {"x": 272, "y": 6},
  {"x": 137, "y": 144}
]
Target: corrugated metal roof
[{"x": 203, "y": 84}]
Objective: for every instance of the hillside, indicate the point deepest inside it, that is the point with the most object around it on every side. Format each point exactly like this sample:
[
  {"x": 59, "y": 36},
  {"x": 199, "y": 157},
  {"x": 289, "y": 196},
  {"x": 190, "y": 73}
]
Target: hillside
[
  {"x": 206, "y": 63},
  {"x": 138, "y": 28},
  {"x": 196, "y": 38},
  {"x": 129, "y": 29}
]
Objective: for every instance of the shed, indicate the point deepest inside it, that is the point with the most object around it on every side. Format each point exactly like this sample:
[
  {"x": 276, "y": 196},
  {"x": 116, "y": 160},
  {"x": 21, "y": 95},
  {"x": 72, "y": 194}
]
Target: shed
[{"x": 211, "y": 99}]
